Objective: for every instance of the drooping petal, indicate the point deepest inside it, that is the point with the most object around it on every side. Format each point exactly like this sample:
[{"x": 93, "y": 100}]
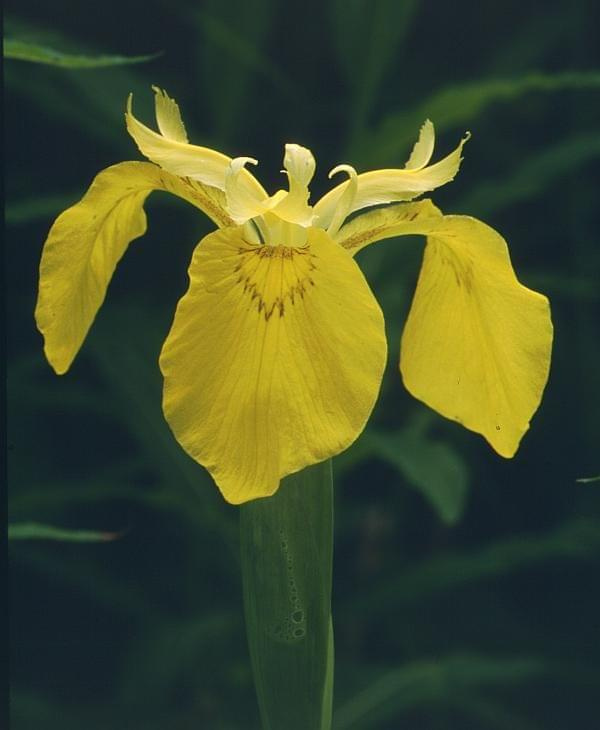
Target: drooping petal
[
  {"x": 476, "y": 345},
  {"x": 274, "y": 359},
  {"x": 391, "y": 186},
  {"x": 179, "y": 158},
  {"x": 423, "y": 149},
  {"x": 242, "y": 202},
  {"x": 299, "y": 165},
  {"x": 346, "y": 199},
  {"x": 396, "y": 220},
  {"x": 86, "y": 242}
]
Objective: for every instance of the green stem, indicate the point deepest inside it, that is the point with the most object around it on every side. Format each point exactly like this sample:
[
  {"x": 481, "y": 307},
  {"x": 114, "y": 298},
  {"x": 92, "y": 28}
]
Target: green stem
[{"x": 286, "y": 551}]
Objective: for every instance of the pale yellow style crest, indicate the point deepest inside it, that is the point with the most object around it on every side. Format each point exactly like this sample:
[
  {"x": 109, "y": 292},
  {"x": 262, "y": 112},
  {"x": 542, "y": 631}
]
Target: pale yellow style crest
[{"x": 277, "y": 350}]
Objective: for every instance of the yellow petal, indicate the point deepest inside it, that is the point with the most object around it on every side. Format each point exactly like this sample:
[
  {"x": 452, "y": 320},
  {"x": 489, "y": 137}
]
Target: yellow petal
[
  {"x": 243, "y": 203},
  {"x": 476, "y": 345},
  {"x": 396, "y": 220},
  {"x": 179, "y": 158},
  {"x": 346, "y": 199},
  {"x": 279, "y": 232},
  {"x": 423, "y": 149},
  {"x": 86, "y": 242},
  {"x": 274, "y": 359},
  {"x": 168, "y": 116},
  {"x": 299, "y": 165},
  {"x": 390, "y": 186}
]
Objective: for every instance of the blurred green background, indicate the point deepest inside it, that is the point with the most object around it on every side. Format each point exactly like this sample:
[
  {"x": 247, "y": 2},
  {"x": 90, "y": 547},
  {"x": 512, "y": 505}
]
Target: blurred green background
[{"x": 465, "y": 586}]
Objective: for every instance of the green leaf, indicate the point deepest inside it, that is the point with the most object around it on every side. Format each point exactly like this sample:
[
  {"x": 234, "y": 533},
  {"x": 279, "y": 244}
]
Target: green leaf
[
  {"x": 447, "y": 572},
  {"x": 533, "y": 39},
  {"x": 236, "y": 33},
  {"x": 533, "y": 175},
  {"x": 286, "y": 549},
  {"x": 490, "y": 713},
  {"x": 560, "y": 285},
  {"x": 424, "y": 682},
  {"x": 457, "y": 106},
  {"x": 588, "y": 480},
  {"x": 37, "y": 531},
  {"x": 38, "y": 207},
  {"x": 135, "y": 378},
  {"x": 165, "y": 655},
  {"x": 93, "y": 102},
  {"x": 431, "y": 467},
  {"x": 19, "y": 50},
  {"x": 378, "y": 30}
]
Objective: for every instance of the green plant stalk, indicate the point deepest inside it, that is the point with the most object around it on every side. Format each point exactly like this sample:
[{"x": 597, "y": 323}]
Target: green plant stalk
[{"x": 286, "y": 544}]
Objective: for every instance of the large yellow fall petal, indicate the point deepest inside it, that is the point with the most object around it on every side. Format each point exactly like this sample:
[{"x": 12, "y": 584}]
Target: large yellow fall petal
[
  {"x": 274, "y": 359},
  {"x": 86, "y": 242},
  {"x": 394, "y": 185},
  {"x": 476, "y": 345}
]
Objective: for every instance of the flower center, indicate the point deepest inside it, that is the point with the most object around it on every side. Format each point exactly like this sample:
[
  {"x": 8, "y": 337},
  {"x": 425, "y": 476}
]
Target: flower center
[{"x": 275, "y": 277}]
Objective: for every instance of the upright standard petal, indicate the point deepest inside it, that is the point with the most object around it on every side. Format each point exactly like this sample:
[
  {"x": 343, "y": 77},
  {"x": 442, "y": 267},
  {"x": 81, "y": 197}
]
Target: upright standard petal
[
  {"x": 168, "y": 116},
  {"x": 476, "y": 345},
  {"x": 274, "y": 359},
  {"x": 423, "y": 149},
  {"x": 243, "y": 203},
  {"x": 299, "y": 165},
  {"x": 178, "y": 157},
  {"x": 394, "y": 185},
  {"x": 86, "y": 242},
  {"x": 345, "y": 200}
]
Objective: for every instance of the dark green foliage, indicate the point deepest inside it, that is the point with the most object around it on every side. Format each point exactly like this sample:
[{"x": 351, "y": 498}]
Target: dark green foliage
[{"x": 465, "y": 591}]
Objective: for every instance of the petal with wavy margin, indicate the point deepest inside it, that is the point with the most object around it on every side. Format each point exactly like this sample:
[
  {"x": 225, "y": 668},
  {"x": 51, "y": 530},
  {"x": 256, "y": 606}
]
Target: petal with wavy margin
[
  {"x": 87, "y": 241},
  {"x": 274, "y": 359},
  {"x": 391, "y": 186},
  {"x": 423, "y": 149},
  {"x": 476, "y": 346},
  {"x": 180, "y": 158}
]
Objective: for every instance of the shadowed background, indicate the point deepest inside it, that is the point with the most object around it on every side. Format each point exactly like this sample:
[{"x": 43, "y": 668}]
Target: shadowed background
[{"x": 465, "y": 585}]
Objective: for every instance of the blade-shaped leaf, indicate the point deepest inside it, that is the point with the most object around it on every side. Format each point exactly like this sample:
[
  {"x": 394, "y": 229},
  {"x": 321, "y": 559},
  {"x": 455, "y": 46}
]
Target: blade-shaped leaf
[
  {"x": 535, "y": 174},
  {"x": 450, "y": 571},
  {"x": 457, "y": 106},
  {"x": 430, "y": 467},
  {"x": 379, "y": 30},
  {"x": 37, "y": 531},
  {"x": 36, "y": 208},
  {"x": 422, "y": 682},
  {"x": 286, "y": 549},
  {"x": 19, "y": 50}
]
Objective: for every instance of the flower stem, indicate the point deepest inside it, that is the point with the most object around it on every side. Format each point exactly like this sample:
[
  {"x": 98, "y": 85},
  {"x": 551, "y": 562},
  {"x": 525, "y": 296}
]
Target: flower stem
[{"x": 286, "y": 546}]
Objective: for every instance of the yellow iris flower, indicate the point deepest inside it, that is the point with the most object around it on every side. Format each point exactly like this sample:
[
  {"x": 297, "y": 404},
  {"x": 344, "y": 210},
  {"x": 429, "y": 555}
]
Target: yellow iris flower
[{"x": 276, "y": 352}]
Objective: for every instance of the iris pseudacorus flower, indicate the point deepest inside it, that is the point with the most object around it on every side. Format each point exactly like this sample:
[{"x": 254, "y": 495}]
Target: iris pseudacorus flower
[{"x": 276, "y": 353}]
